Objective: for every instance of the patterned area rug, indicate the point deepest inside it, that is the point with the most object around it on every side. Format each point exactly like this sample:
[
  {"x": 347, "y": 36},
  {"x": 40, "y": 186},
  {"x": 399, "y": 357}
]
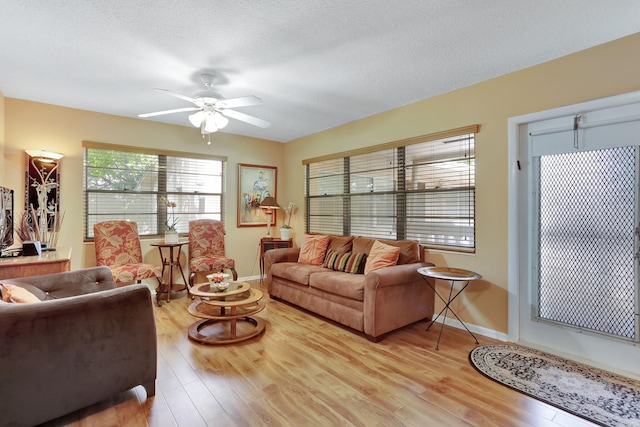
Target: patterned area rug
[{"x": 596, "y": 395}]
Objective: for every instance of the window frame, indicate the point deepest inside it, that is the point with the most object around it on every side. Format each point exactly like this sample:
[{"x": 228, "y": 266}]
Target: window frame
[
  {"x": 162, "y": 212},
  {"x": 398, "y": 226}
]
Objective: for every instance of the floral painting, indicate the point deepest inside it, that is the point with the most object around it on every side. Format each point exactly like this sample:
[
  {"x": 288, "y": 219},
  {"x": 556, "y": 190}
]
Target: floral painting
[{"x": 255, "y": 182}]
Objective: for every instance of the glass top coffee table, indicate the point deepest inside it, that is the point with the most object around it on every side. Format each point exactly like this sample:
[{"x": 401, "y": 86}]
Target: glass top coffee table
[{"x": 226, "y": 313}]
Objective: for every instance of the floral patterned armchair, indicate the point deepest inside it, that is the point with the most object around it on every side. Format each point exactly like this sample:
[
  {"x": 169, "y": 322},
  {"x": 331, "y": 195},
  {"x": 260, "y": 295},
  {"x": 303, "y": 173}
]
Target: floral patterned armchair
[
  {"x": 206, "y": 249},
  {"x": 118, "y": 247}
]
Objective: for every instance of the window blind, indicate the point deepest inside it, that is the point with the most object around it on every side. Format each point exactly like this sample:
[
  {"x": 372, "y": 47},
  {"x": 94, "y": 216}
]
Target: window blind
[
  {"x": 129, "y": 185},
  {"x": 424, "y": 190}
]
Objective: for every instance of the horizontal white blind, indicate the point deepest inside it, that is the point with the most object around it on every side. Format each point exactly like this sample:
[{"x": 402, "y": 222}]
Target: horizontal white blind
[
  {"x": 129, "y": 186},
  {"x": 424, "y": 191}
]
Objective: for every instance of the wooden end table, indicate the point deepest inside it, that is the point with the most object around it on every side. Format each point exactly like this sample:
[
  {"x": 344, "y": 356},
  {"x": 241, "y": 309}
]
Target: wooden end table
[
  {"x": 268, "y": 243},
  {"x": 172, "y": 261},
  {"x": 226, "y": 314}
]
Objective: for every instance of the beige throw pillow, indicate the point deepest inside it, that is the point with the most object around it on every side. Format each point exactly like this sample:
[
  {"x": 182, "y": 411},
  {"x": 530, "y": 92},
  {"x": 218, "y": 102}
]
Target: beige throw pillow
[{"x": 13, "y": 293}]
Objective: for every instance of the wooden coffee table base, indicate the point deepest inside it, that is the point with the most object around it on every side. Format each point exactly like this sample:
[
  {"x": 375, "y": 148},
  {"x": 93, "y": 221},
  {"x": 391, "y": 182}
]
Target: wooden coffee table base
[
  {"x": 226, "y": 314},
  {"x": 226, "y": 331}
]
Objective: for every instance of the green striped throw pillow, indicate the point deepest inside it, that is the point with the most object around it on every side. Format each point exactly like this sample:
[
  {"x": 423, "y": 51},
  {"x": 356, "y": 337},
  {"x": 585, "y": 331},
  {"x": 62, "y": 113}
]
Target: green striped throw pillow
[{"x": 348, "y": 262}]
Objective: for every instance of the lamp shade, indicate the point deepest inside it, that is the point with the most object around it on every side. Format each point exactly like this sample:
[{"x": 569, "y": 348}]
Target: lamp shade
[
  {"x": 269, "y": 203},
  {"x": 44, "y": 155}
]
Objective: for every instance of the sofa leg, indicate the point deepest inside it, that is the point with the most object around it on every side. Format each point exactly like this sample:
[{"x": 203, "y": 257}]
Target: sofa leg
[
  {"x": 376, "y": 339},
  {"x": 150, "y": 388},
  {"x": 235, "y": 274}
]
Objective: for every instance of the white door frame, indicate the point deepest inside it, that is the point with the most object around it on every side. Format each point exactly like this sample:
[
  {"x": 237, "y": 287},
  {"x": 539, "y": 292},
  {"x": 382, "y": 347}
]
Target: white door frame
[{"x": 514, "y": 232}]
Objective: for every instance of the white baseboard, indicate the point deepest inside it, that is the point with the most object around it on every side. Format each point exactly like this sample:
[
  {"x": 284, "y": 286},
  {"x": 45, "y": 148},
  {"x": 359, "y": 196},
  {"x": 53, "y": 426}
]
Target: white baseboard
[
  {"x": 243, "y": 279},
  {"x": 480, "y": 330}
]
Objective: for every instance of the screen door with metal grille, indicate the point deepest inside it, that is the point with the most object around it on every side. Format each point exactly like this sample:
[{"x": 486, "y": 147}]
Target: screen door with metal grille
[
  {"x": 586, "y": 222},
  {"x": 576, "y": 173}
]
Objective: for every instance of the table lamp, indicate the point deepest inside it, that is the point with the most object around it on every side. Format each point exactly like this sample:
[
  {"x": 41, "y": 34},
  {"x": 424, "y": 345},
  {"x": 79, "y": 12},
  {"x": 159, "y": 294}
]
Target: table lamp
[{"x": 268, "y": 205}]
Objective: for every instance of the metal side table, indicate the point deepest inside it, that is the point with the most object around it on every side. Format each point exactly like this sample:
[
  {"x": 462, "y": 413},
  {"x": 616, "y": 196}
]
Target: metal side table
[{"x": 453, "y": 275}]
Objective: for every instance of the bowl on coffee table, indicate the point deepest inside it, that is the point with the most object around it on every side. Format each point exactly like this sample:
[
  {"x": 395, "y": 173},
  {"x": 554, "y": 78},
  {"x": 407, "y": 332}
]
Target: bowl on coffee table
[{"x": 218, "y": 281}]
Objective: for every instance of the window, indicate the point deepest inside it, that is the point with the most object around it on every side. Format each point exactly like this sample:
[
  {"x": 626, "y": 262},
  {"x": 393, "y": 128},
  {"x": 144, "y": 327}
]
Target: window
[
  {"x": 421, "y": 189},
  {"x": 127, "y": 183}
]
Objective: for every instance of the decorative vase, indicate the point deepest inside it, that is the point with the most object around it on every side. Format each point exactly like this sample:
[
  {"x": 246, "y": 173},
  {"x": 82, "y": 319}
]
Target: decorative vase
[
  {"x": 171, "y": 236},
  {"x": 285, "y": 233}
]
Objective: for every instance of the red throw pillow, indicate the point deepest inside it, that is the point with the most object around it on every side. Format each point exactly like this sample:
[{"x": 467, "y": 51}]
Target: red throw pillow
[
  {"x": 380, "y": 256},
  {"x": 313, "y": 250}
]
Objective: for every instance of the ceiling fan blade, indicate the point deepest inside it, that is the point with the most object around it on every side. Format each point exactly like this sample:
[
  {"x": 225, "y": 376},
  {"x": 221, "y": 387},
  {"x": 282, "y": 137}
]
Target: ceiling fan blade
[
  {"x": 176, "y": 110},
  {"x": 177, "y": 95},
  {"x": 246, "y": 118},
  {"x": 239, "y": 102}
]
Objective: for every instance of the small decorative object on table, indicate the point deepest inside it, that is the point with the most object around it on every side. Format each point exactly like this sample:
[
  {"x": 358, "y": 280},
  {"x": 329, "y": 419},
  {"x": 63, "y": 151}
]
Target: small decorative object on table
[
  {"x": 285, "y": 230},
  {"x": 285, "y": 233},
  {"x": 217, "y": 281},
  {"x": 171, "y": 234}
]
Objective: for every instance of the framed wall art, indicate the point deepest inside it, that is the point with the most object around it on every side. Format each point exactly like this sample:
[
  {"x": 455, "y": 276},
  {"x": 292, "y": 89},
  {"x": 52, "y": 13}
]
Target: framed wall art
[
  {"x": 255, "y": 182},
  {"x": 42, "y": 218}
]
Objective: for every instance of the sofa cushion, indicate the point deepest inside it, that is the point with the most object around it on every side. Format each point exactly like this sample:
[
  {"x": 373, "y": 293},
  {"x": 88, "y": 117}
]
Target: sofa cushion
[
  {"x": 409, "y": 249},
  {"x": 348, "y": 262},
  {"x": 380, "y": 256},
  {"x": 13, "y": 293},
  {"x": 340, "y": 244},
  {"x": 295, "y": 271},
  {"x": 314, "y": 248},
  {"x": 347, "y": 285}
]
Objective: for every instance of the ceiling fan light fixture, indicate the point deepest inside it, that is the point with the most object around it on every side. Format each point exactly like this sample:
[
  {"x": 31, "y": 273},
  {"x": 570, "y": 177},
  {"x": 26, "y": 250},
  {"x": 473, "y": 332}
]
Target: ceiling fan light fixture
[
  {"x": 211, "y": 111},
  {"x": 197, "y": 118},
  {"x": 210, "y": 124},
  {"x": 220, "y": 120}
]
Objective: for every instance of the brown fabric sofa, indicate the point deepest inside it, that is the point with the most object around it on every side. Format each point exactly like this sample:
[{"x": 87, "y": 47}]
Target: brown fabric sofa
[
  {"x": 84, "y": 342},
  {"x": 374, "y": 304}
]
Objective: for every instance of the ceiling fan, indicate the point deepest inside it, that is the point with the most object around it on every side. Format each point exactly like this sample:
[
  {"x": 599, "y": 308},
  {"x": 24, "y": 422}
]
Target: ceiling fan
[{"x": 211, "y": 109}]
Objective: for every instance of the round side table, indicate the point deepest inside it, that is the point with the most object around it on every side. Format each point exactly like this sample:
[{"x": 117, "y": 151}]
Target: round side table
[
  {"x": 453, "y": 275},
  {"x": 172, "y": 261}
]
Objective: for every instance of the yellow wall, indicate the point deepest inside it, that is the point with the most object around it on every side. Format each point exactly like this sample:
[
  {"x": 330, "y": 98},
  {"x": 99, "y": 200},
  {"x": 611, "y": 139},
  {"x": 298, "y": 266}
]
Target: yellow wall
[
  {"x": 42, "y": 126},
  {"x": 601, "y": 71},
  {"x": 2, "y": 140},
  {"x": 598, "y": 72}
]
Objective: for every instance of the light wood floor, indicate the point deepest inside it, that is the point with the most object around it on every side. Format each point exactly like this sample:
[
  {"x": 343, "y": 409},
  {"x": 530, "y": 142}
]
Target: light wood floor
[{"x": 304, "y": 371}]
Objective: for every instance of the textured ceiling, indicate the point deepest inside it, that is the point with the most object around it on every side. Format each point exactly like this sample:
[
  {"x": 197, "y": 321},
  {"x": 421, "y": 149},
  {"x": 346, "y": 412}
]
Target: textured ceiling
[{"x": 316, "y": 64}]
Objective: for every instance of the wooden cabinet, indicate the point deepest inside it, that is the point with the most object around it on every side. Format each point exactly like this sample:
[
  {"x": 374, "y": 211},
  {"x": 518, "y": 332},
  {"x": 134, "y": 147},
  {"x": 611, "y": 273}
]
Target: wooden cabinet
[
  {"x": 268, "y": 243},
  {"x": 23, "y": 266}
]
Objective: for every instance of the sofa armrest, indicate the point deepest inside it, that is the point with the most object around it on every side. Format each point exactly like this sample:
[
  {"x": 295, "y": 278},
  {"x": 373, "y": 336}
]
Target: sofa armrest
[
  {"x": 394, "y": 297},
  {"x": 394, "y": 276},
  {"x": 274, "y": 256},
  {"x": 90, "y": 347},
  {"x": 282, "y": 255},
  {"x": 68, "y": 283}
]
